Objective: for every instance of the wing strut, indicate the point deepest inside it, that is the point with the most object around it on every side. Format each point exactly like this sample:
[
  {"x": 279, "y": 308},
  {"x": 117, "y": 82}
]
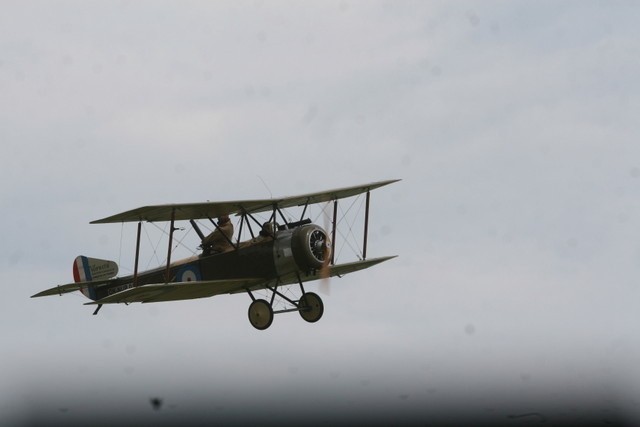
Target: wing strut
[
  {"x": 240, "y": 231},
  {"x": 171, "y": 230},
  {"x": 135, "y": 268},
  {"x": 366, "y": 227},
  {"x": 333, "y": 232},
  {"x": 305, "y": 209},
  {"x": 283, "y": 218},
  {"x": 197, "y": 229}
]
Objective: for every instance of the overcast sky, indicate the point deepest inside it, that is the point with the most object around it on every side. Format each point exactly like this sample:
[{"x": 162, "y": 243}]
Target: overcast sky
[{"x": 513, "y": 126}]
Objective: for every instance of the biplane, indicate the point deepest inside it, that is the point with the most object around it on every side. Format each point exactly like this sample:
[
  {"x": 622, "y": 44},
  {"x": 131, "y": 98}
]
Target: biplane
[{"x": 287, "y": 252}]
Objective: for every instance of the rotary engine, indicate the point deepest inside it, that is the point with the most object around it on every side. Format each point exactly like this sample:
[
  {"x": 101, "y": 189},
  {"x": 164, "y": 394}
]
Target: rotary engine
[{"x": 303, "y": 248}]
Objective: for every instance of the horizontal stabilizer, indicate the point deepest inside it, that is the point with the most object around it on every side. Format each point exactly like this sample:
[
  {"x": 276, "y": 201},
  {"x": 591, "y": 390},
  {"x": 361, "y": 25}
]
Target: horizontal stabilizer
[
  {"x": 69, "y": 287},
  {"x": 174, "y": 291}
]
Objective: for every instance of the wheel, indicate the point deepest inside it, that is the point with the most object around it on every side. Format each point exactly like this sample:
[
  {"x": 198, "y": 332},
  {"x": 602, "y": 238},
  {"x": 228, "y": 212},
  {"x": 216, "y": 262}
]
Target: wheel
[
  {"x": 260, "y": 314},
  {"x": 311, "y": 307}
]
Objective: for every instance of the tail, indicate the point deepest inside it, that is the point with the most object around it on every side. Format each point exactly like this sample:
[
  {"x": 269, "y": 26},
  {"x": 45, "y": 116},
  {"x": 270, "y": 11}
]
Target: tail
[
  {"x": 88, "y": 274},
  {"x": 89, "y": 269}
]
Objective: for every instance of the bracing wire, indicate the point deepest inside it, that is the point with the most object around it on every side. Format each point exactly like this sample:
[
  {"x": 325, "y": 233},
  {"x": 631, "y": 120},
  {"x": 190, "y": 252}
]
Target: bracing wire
[
  {"x": 324, "y": 211},
  {"x": 350, "y": 233},
  {"x": 349, "y": 239},
  {"x": 178, "y": 242},
  {"x": 155, "y": 247}
]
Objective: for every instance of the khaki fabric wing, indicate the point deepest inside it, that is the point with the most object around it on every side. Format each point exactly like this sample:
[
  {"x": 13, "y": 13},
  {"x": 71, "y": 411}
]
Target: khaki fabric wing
[
  {"x": 342, "y": 269},
  {"x": 176, "y": 291},
  {"x": 181, "y": 212},
  {"x": 186, "y": 211},
  {"x": 334, "y": 270}
]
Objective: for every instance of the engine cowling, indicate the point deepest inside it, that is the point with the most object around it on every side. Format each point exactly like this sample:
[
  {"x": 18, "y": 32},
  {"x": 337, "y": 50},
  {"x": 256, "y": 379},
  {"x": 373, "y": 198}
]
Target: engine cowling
[
  {"x": 304, "y": 248},
  {"x": 310, "y": 246}
]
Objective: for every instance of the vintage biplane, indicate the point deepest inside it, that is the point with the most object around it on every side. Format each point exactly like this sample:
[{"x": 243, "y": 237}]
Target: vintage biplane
[{"x": 292, "y": 252}]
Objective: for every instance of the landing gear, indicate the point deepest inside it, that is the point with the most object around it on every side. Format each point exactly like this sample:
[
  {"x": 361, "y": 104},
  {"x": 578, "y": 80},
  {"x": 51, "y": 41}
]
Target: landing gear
[
  {"x": 311, "y": 307},
  {"x": 260, "y": 314}
]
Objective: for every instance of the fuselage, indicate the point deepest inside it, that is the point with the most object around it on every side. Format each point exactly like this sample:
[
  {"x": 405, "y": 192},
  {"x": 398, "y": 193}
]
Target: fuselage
[{"x": 300, "y": 249}]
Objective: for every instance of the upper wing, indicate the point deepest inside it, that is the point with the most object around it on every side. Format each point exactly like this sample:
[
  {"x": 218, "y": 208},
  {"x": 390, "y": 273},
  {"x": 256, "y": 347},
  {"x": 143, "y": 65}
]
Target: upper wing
[
  {"x": 69, "y": 287},
  {"x": 178, "y": 291},
  {"x": 187, "y": 211}
]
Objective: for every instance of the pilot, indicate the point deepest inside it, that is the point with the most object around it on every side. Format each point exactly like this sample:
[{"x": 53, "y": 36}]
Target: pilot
[
  {"x": 220, "y": 239},
  {"x": 266, "y": 233}
]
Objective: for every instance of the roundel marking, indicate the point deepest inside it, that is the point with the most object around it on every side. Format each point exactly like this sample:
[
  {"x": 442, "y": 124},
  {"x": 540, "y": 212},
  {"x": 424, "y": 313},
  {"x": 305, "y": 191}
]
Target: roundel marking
[{"x": 188, "y": 273}]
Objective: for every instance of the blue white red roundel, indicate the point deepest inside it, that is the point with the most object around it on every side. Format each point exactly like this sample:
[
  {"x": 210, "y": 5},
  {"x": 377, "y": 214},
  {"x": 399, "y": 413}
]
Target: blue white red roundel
[{"x": 188, "y": 273}]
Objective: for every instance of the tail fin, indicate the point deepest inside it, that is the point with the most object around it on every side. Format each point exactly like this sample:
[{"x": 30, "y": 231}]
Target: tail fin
[{"x": 88, "y": 269}]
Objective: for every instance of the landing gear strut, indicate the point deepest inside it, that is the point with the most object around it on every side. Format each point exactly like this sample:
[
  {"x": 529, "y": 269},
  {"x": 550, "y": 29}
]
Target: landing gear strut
[{"x": 261, "y": 312}]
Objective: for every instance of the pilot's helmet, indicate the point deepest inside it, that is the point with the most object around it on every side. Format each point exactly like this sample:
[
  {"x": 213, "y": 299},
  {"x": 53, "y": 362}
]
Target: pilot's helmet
[{"x": 223, "y": 219}]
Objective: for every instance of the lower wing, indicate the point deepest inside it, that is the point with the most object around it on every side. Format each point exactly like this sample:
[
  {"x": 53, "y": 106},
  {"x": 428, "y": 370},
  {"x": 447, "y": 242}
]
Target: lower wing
[
  {"x": 175, "y": 291},
  {"x": 334, "y": 270}
]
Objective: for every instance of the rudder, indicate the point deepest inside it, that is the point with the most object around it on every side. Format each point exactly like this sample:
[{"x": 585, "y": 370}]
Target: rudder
[{"x": 87, "y": 269}]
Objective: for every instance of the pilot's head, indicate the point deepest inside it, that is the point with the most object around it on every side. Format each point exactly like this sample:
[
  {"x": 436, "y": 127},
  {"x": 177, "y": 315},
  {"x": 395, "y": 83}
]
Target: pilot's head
[
  {"x": 267, "y": 229},
  {"x": 223, "y": 219}
]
